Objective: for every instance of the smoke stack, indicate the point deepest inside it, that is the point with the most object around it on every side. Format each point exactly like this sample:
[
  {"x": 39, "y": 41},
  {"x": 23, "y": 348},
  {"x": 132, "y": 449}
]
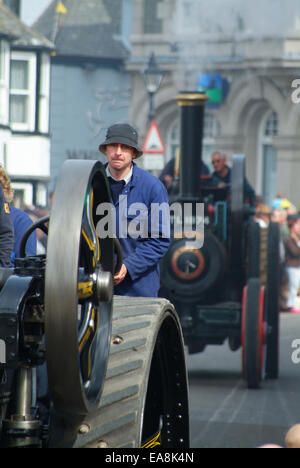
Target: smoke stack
[{"x": 192, "y": 120}]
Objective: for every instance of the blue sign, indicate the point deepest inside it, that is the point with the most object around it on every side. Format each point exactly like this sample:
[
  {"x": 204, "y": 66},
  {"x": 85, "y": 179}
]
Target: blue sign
[{"x": 215, "y": 86}]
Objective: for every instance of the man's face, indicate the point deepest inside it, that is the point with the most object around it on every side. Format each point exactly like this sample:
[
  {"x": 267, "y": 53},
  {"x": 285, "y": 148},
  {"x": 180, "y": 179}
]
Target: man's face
[
  {"x": 218, "y": 162},
  {"x": 276, "y": 217},
  {"x": 119, "y": 156}
]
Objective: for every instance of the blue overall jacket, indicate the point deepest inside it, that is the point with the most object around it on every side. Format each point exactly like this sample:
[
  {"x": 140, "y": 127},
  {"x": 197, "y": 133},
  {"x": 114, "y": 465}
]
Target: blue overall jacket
[{"x": 143, "y": 229}]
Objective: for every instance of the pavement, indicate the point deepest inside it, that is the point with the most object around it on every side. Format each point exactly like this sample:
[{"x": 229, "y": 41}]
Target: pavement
[{"x": 225, "y": 414}]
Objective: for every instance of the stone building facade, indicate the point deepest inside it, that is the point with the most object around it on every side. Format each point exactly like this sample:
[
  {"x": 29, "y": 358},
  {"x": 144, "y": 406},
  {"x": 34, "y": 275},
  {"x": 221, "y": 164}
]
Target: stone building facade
[{"x": 259, "y": 114}]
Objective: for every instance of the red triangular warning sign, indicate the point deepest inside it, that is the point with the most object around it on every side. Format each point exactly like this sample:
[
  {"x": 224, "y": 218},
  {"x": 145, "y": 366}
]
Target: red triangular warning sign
[{"x": 153, "y": 143}]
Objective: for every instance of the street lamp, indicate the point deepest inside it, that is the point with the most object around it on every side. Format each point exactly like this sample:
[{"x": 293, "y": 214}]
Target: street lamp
[{"x": 153, "y": 77}]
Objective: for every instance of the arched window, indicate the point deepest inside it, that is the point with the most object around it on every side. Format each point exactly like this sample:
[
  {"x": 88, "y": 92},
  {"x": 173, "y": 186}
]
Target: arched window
[
  {"x": 271, "y": 125},
  {"x": 267, "y": 176},
  {"x": 212, "y": 128}
]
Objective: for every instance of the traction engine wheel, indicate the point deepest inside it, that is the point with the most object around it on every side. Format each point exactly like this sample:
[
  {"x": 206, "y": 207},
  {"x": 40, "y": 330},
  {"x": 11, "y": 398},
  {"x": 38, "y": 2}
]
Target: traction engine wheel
[
  {"x": 272, "y": 301},
  {"x": 145, "y": 395},
  {"x": 253, "y": 258},
  {"x": 253, "y": 333}
]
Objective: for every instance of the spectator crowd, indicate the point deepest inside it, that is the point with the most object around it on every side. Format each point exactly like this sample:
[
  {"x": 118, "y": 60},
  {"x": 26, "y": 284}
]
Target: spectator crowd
[
  {"x": 285, "y": 213},
  {"x": 22, "y": 219}
]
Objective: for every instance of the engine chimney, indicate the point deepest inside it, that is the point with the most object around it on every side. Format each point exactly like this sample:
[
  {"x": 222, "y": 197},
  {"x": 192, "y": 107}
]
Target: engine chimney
[{"x": 192, "y": 119}]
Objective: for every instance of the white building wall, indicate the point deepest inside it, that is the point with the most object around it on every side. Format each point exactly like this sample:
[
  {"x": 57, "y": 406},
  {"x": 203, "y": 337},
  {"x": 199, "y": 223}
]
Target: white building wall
[{"x": 29, "y": 157}]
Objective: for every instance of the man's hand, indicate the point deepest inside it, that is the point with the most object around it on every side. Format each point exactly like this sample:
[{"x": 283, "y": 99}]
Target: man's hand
[{"x": 119, "y": 277}]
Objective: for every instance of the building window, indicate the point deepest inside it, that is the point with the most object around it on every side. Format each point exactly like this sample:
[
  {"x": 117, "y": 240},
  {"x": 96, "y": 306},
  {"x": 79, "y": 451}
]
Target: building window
[
  {"x": 267, "y": 156},
  {"x": 187, "y": 17},
  {"x": 152, "y": 23},
  {"x": 212, "y": 128},
  {"x": 1, "y": 62},
  {"x": 44, "y": 94},
  {"x": 271, "y": 127},
  {"x": 4, "y": 82},
  {"x": 22, "y": 91},
  {"x": 19, "y": 91}
]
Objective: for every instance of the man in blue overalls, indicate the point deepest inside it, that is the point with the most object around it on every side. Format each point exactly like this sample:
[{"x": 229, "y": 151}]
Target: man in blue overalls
[{"x": 142, "y": 214}]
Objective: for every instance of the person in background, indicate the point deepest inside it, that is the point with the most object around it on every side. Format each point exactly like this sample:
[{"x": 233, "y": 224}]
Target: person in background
[
  {"x": 282, "y": 203},
  {"x": 292, "y": 261},
  {"x": 270, "y": 446},
  {"x": 20, "y": 220},
  {"x": 279, "y": 216},
  {"x": 262, "y": 215},
  {"x": 292, "y": 438},
  {"x": 221, "y": 177},
  {"x": 41, "y": 238},
  {"x": 291, "y": 441}
]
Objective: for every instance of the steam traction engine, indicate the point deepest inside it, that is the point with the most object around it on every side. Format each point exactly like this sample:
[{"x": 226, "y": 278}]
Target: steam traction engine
[
  {"x": 228, "y": 288},
  {"x": 78, "y": 366}
]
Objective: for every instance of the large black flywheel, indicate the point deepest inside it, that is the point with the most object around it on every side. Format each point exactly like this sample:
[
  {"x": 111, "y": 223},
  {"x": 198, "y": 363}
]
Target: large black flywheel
[{"x": 78, "y": 290}]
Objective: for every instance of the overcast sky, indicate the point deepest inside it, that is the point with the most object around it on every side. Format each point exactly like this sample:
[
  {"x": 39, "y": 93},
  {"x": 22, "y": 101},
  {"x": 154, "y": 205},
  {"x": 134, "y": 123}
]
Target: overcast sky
[
  {"x": 32, "y": 9},
  {"x": 260, "y": 16}
]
